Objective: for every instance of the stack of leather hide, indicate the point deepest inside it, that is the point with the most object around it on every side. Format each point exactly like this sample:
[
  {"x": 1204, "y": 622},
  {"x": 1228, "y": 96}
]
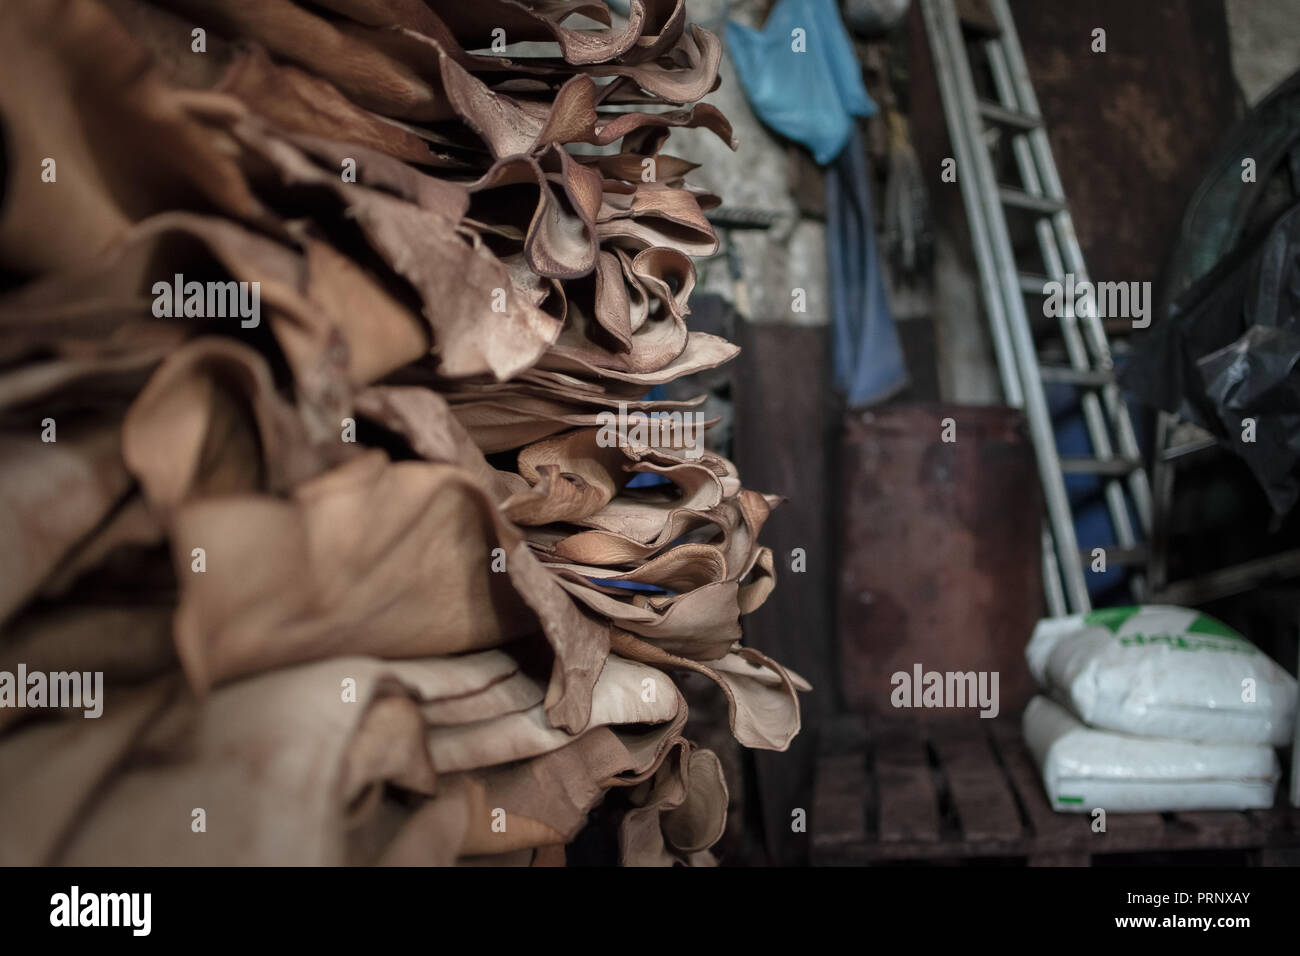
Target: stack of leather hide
[{"x": 312, "y": 315}]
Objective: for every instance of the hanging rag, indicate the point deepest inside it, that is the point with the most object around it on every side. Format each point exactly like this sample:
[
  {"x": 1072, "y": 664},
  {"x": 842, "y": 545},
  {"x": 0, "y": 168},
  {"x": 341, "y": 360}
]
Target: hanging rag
[
  {"x": 868, "y": 358},
  {"x": 813, "y": 97},
  {"x": 801, "y": 76}
]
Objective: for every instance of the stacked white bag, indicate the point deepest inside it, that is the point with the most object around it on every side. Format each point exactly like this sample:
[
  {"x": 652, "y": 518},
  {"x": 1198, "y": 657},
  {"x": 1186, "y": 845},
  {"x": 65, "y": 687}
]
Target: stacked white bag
[{"x": 1155, "y": 708}]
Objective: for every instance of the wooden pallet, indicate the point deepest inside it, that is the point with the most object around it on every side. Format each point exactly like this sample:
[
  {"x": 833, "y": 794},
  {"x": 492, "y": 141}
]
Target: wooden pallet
[{"x": 944, "y": 793}]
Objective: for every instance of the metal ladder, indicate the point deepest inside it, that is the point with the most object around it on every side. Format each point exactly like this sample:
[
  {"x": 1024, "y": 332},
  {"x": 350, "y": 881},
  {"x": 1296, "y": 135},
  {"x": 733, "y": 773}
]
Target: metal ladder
[{"x": 1116, "y": 460}]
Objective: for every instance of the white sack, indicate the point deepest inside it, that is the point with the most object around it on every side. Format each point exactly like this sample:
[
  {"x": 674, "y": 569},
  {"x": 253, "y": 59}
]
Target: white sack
[
  {"x": 1162, "y": 671},
  {"x": 1084, "y": 769}
]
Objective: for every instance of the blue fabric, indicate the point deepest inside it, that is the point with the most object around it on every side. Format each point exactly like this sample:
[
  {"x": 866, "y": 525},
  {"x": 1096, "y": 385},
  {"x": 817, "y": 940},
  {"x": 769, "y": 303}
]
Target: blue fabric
[
  {"x": 868, "y": 358},
  {"x": 813, "y": 96}
]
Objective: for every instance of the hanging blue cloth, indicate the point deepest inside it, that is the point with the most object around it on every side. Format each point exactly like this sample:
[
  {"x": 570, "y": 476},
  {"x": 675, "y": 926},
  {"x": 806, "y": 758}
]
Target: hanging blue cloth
[
  {"x": 810, "y": 96},
  {"x": 813, "y": 97},
  {"x": 868, "y": 359}
]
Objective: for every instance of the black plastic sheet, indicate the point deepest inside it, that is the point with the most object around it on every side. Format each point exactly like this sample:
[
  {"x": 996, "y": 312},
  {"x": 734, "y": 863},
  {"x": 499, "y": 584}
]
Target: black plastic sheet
[{"x": 1229, "y": 351}]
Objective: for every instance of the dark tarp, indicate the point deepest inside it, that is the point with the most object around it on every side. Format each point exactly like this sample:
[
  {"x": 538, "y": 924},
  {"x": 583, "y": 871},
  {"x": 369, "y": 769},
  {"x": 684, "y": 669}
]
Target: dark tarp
[{"x": 1229, "y": 350}]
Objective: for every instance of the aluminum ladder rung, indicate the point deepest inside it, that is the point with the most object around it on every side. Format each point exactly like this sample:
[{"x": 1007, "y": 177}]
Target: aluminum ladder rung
[
  {"x": 1007, "y": 117},
  {"x": 975, "y": 17},
  {"x": 1104, "y": 467},
  {"x": 1083, "y": 377},
  {"x": 1018, "y": 198},
  {"x": 1032, "y": 284}
]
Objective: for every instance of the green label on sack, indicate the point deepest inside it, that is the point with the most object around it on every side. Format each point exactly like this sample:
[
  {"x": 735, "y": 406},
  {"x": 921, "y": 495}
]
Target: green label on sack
[
  {"x": 1205, "y": 633},
  {"x": 1204, "y": 624},
  {"x": 1189, "y": 642},
  {"x": 1112, "y": 618}
]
